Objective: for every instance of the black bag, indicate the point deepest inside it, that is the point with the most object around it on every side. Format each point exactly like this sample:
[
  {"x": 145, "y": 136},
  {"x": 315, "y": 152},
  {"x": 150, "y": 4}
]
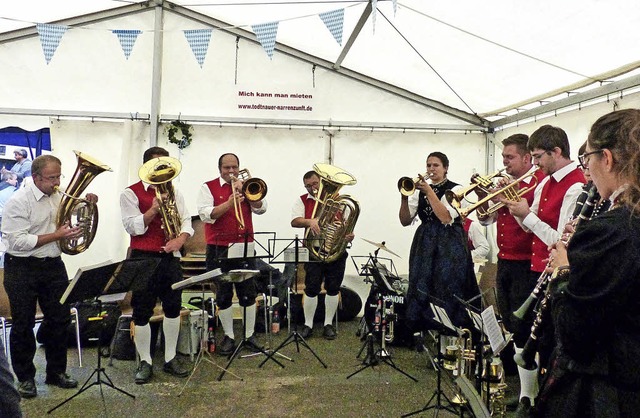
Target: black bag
[{"x": 122, "y": 346}]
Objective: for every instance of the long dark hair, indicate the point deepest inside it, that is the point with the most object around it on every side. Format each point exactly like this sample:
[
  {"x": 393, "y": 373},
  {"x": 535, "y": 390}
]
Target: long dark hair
[{"x": 619, "y": 132}]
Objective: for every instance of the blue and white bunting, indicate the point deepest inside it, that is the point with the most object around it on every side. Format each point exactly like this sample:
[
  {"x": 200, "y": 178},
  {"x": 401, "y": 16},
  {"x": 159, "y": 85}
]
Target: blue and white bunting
[
  {"x": 334, "y": 21},
  {"x": 395, "y": 7},
  {"x": 199, "y": 42},
  {"x": 266, "y": 34},
  {"x": 127, "y": 39},
  {"x": 50, "y": 36}
]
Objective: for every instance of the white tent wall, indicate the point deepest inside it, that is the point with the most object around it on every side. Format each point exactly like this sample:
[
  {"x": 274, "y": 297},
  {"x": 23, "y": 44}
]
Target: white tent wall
[{"x": 280, "y": 157}]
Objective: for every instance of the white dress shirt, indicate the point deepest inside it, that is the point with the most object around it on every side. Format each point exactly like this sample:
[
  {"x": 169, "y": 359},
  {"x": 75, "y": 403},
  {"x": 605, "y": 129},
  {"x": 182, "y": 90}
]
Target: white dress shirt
[{"x": 205, "y": 203}]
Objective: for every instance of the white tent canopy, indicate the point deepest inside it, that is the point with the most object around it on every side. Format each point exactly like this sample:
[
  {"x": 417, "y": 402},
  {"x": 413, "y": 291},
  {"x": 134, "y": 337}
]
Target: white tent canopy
[{"x": 455, "y": 77}]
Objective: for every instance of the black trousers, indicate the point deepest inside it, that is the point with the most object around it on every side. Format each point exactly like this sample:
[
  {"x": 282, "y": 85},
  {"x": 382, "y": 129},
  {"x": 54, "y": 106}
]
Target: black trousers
[
  {"x": 514, "y": 283},
  {"x": 246, "y": 290},
  {"x": 332, "y": 273},
  {"x": 31, "y": 280},
  {"x": 167, "y": 273}
]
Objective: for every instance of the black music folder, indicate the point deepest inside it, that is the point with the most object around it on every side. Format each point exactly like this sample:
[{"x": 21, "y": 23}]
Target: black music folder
[{"x": 109, "y": 278}]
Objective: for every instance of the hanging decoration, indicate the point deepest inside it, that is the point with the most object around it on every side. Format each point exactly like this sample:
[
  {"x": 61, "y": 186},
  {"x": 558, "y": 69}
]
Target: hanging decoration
[
  {"x": 179, "y": 133},
  {"x": 199, "y": 42},
  {"x": 395, "y": 7},
  {"x": 266, "y": 34},
  {"x": 50, "y": 37},
  {"x": 334, "y": 21},
  {"x": 127, "y": 39}
]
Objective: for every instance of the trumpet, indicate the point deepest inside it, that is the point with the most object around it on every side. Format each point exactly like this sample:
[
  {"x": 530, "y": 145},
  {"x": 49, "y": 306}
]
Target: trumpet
[
  {"x": 407, "y": 185},
  {"x": 253, "y": 190},
  {"x": 511, "y": 191}
]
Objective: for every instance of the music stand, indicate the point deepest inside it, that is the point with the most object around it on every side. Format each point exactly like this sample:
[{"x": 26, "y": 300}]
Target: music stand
[
  {"x": 203, "y": 279},
  {"x": 294, "y": 335},
  {"x": 237, "y": 276},
  {"x": 107, "y": 281},
  {"x": 445, "y": 326}
]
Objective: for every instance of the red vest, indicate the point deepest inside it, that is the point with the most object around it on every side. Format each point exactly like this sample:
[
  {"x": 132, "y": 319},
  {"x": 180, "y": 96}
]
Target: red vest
[
  {"x": 225, "y": 229},
  {"x": 467, "y": 225},
  {"x": 514, "y": 243},
  {"x": 309, "y": 204},
  {"x": 549, "y": 211},
  {"x": 154, "y": 239}
]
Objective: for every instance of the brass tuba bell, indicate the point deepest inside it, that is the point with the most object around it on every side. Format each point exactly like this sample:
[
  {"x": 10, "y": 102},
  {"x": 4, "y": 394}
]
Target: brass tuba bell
[
  {"x": 336, "y": 214},
  {"x": 77, "y": 211},
  {"x": 159, "y": 172}
]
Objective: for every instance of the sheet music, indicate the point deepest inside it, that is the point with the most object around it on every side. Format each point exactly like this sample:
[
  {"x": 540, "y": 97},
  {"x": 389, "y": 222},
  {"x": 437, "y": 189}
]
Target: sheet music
[
  {"x": 236, "y": 250},
  {"x": 493, "y": 331},
  {"x": 290, "y": 255},
  {"x": 476, "y": 318},
  {"x": 441, "y": 316}
]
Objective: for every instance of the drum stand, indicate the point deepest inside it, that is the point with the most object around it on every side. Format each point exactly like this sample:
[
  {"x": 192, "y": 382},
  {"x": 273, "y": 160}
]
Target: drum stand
[{"x": 375, "y": 357}]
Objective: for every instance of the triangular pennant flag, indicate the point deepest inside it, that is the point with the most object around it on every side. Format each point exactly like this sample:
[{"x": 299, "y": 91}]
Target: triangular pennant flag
[
  {"x": 127, "y": 39},
  {"x": 199, "y": 42},
  {"x": 395, "y": 7},
  {"x": 50, "y": 36},
  {"x": 266, "y": 34},
  {"x": 334, "y": 21},
  {"x": 374, "y": 8}
]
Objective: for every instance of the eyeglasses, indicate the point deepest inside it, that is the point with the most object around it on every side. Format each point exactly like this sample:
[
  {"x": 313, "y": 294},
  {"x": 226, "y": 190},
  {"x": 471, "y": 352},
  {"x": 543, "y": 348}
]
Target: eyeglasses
[
  {"x": 584, "y": 160},
  {"x": 539, "y": 155}
]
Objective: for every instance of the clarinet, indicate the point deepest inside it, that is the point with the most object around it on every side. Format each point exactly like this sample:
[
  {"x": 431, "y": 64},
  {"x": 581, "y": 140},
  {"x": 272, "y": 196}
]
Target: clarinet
[
  {"x": 543, "y": 280},
  {"x": 526, "y": 358}
]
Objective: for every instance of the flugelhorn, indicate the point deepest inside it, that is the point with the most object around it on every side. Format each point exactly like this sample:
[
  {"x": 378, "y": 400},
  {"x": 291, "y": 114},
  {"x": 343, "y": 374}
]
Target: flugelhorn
[
  {"x": 159, "y": 172},
  {"x": 77, "y": 211},
  {"x": 511, "y": 191},
  {"x": 407, "y": 185},
  {"x": 253, "y": 190}
]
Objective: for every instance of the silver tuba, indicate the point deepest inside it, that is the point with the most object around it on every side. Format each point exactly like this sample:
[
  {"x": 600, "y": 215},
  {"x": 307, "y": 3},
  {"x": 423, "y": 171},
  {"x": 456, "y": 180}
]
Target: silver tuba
[
  {"x": 159, "y": 172},
  {"x": 336, "y": 214},
  {"x": 77, "y": 211}
]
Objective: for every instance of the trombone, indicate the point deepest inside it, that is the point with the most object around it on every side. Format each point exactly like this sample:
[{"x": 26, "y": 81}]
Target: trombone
[
  {"x": 511, "y": 192},
  {"x": 253, "y": 190}
]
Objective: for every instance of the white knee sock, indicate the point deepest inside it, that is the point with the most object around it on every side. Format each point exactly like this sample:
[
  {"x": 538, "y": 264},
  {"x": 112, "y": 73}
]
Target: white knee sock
[
  {"x": 171, "y": 329},
  {"x": 142, "y": 340},
  {"x": 528, "y": 381},
  {"x": 310, "y": 304},
  {"x": 226, "y": 319},
  {"x": 251, "y": 321},
  {"x": 330, "y": 308}
]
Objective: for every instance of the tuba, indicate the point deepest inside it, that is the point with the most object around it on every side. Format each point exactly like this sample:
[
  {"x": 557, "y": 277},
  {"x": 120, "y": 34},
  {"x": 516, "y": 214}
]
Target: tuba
[
  {"x": 77, "y": 211},
  {"x": 336, "y": 214},
  {"x": 159, "y": 172}
]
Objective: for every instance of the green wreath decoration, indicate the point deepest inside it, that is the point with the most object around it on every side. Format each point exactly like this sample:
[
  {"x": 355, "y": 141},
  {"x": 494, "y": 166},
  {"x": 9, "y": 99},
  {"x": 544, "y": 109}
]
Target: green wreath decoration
[{"x": 185, "y": 133}]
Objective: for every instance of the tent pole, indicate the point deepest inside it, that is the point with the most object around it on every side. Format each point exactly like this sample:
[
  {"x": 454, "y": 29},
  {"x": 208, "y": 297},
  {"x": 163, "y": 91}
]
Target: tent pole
[{"x": 156, "y": 86}]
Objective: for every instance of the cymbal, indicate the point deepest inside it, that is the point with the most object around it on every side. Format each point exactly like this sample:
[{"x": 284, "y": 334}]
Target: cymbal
[{"x": 381, "y": 246}]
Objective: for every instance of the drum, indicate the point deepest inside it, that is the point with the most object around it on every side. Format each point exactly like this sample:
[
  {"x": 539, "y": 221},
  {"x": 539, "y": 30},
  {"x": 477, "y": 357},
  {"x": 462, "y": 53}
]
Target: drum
[{"x": 390, "y": 311}]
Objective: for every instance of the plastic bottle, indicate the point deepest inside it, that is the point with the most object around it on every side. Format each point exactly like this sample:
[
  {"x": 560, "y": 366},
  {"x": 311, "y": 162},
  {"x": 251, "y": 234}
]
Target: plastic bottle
[
  {"x": 275, "y": 323},
  {"x": 211, "y": 341},
  {"x": 378, "y": 317}
]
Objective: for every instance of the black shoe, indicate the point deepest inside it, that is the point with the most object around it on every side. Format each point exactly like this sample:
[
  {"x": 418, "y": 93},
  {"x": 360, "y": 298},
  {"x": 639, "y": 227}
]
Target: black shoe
[
  {"x": 144, "y": 373},
  {"x": 253, "y": 343},
  {"x": 27, "y": 389},
  {"x": 61, "y": 380},
  {"x": 512, "y": 402},
  {"x": 227, "y": 347},
  {"x": 306, "y": 332},
  {"x": 174, "y": 368},
  {"x": 524, "y": 409},
  {"x": 329, "y": 332}
]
